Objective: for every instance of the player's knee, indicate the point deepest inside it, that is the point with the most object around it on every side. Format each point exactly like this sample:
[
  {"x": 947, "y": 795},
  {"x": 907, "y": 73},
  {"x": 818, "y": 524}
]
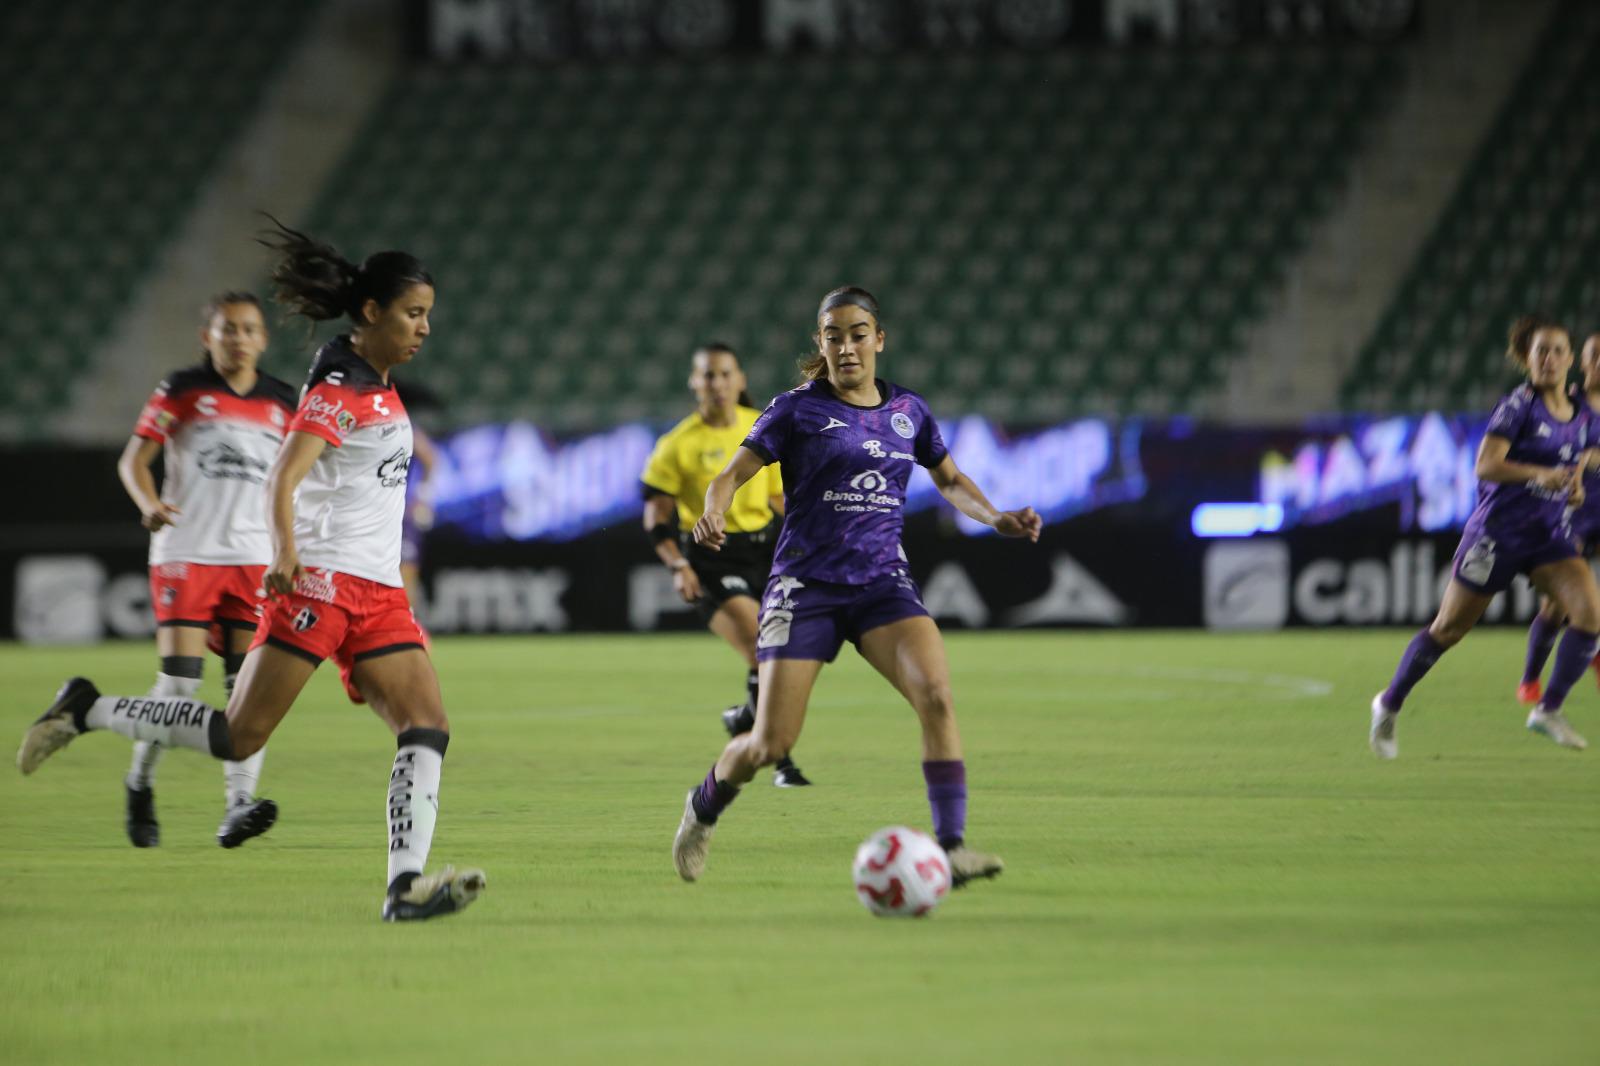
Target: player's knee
[
  {"x": 934, "y": 700},
  {"x": 1448, "y": 632},
  {"x": 769, "y": 747}
]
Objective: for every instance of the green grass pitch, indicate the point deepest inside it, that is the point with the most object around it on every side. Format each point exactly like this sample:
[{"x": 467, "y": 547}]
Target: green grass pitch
[{"x": 1205, "y": 865}]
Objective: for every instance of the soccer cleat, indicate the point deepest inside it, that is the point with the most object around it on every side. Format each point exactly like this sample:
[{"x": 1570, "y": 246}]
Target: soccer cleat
[
  {"x": 788, "y": 775},
  {"x": 245, "y": 820},
  {"x": 689, "y": 847},
  {"x": 738, "y": 720},
  {"x": 1381, "y": 736},
  {"x": 1554, "y": 725},
  {"x": 434, "y": 895},
  {"x": 968, "y": 865},
  {"x": 56, "y": 727},
  {"x": 143, "y": 829},
  {"x": 1528, "y": 693}
]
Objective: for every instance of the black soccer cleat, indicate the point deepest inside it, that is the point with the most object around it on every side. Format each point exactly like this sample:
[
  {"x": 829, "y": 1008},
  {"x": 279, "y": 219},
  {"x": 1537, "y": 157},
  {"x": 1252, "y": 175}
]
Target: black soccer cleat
[
  {"x": 245, "y": 820},
  {"x": 787, "y": 775},
  {"x": 738, "y": 720},
  {"x": 58, "y": 726},
  {"x": 143, "y": 829},
  {"x": 434, "y": 895}
]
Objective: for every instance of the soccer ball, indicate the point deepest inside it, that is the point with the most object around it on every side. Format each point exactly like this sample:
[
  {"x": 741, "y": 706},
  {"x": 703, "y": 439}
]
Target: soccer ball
[{"x": 901, "y": 873}]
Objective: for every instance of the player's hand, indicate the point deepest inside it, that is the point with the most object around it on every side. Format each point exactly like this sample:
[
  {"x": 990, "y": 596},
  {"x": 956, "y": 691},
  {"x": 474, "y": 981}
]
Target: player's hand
[
  {"x": 1575, "y": 491},
  {"x": 709, "y": 531},
  {"x": 281, "y": 576},
  {"x": 162, "y": 514},
  {"x": 1555, "y": 478},
  {"x": 1023, "y": 523},
  {"x": 687, "y": 582}
]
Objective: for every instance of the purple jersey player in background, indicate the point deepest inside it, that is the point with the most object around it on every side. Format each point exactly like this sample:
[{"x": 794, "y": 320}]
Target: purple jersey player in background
[
  {"x": 847, "y": 442},
  {"x": 1550, "y": 620},
  {"x": 1529, "y": 474}
]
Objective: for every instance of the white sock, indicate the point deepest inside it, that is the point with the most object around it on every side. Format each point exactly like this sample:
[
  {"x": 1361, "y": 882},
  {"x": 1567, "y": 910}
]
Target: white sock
[
  {"x": 146, "y": 753},
  {"x": 239, "y": 778},
  {"x": 173, "y": 721},
  {"x": 413, "y": 806}
]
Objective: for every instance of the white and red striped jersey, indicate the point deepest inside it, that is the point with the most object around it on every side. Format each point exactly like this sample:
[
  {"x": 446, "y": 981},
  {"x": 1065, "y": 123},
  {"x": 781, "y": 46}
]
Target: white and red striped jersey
[
  {"x": 349, "y": 508},
  {"x": 217, "y": 447}
]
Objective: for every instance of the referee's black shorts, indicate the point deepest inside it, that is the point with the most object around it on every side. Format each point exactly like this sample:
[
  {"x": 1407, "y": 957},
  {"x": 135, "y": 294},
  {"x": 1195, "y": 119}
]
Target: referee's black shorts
[{"x": 739, "y": 569}]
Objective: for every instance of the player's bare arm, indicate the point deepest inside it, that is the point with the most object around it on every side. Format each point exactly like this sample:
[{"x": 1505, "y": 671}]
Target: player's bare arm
[
  {"x": 744, "y": 465},
  {"x": 1492, "y": 465},
  {"x": 964, "y": 494},
  {"x": 134, "y": 469},
  {"x": 300, "y": 450},
  {"x": 659, "y": 513}
]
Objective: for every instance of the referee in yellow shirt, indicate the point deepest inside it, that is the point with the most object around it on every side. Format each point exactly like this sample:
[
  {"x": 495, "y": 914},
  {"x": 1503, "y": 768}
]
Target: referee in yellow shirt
[{"x": 724, "y": 586}]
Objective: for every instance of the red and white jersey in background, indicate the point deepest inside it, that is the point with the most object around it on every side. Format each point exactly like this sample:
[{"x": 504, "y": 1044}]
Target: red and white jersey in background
[
  {"x": 348, "y": 510},
  {"x": 217, "y": 447}
]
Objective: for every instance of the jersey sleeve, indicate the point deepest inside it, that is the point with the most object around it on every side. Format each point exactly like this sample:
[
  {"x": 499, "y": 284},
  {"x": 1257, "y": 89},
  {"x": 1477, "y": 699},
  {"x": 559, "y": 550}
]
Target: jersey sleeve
[
  {"x": 159, "y": 417},
  {"x": 661, "y": 473},
  {"x": 323, "y": 413},
  {"x": 1509, "y": 416},
  {"x": 929, "y": 446},
  {"x": 769, "y": 436}
]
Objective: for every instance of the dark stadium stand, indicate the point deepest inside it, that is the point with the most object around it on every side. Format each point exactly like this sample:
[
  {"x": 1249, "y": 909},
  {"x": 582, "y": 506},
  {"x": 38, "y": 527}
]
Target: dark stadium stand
[
  {"x": 1521, "y": 233},
  {"x": 106, "y": 141},
  {"x": 1050, "y": 233}
]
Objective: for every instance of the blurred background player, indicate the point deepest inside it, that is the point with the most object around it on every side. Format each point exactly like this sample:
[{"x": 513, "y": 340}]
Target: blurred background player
[
  {"x": 722, "y": 585},
  {"x": 1585, "y": 519},
  {"x": 1528, "y": 473},
  {"x": 847, "y": 442},
  {"x": 337, "y": 495},
  {"x": 217, "y": 427}
]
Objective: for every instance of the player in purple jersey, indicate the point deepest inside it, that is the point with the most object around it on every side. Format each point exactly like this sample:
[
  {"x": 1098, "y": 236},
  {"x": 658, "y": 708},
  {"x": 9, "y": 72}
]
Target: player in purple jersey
[
  {"x": 1550, "y": 620},
  {"x": 1529, "y": 473},
  {"x": 846, "y": 442}
]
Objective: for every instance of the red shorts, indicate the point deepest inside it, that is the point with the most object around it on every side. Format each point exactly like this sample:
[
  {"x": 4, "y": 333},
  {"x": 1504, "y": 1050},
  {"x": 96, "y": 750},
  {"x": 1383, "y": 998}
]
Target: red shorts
[
  {"x": 338, "y": 616},
  {"x": 213, "y": 598}
]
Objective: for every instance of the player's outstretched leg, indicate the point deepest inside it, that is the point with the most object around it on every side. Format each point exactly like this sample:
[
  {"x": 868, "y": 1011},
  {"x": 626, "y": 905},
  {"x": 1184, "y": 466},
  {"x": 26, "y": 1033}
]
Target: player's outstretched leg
[
  {"x": 910, "y": 653},
  {"x": 179, "y": 675},
  {"x": 243, "y": 815},
  {"x": 741, "y": 719},
  {"x": 1542, "y": 634},
  {"x": 785, "y": 686}
]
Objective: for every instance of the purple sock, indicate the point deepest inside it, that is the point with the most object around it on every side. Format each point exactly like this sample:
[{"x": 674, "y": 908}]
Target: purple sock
[
  {"x": 1572, "y": 659},
  {"x": 1541, "y": 638},
  {"x": 712, "y": 797},
  {"x": 947, "y": 798},
  {"x": 1419, "y": 657}
]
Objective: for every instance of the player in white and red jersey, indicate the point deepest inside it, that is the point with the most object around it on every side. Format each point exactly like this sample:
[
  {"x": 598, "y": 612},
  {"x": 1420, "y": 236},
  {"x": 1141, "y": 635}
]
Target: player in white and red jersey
[
  {"x": 217, "y": 426},
  {"x": 336, "y": 494}
]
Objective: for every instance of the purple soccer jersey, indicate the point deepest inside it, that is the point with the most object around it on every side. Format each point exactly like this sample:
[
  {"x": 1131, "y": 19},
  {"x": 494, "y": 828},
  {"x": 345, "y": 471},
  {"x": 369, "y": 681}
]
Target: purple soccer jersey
[
  {"x": 845, "y": 471},
  {"x": 1516, "y": 528}
]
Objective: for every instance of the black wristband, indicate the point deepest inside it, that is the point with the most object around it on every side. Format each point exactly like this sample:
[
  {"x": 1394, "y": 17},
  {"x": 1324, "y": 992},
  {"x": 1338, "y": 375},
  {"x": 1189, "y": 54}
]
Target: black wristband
[{"x": 662, "y": 532}]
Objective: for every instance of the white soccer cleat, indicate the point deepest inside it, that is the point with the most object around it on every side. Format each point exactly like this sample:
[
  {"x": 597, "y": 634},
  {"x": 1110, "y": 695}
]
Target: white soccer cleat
[
  {"x": 1381, "y": 736},
  {"x": 432, "y": 895},
  {"x": 967, "y": 865},
  {"x": 1554, "y": 725},
  {"x": 58, "y": 726},
  {"x": 689, "y": 847}
]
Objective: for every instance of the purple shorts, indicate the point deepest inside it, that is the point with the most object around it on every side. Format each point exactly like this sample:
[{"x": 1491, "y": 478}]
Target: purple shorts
[
  {"x": 1487, "y": 565},
  {"x": 804, "y": 619}
]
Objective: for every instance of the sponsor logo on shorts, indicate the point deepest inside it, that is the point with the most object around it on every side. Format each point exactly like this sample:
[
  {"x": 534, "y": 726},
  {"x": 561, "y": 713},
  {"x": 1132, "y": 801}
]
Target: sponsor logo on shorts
[
  {"x": 1478, "y": 562},
  {"x": 901, "y": 423},
  {"x": 173, "y": 570},
  {"x": 316, "y": 586},
  {"x": 735, "y": 583},
  {"x": 304, "y": 619},
  {"x": 168, "y": 596},
  {"x": 777, "y": 614}
]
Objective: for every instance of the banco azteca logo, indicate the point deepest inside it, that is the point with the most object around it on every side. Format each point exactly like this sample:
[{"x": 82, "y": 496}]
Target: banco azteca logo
[{"x": 869, "y": 481}]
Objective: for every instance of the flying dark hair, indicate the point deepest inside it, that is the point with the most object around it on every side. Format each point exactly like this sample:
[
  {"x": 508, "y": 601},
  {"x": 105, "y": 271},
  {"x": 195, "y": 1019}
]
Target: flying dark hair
[
  {"x": 709, "y": 347},
  {"x": 1519, "y": 339},
  {"x": 814, "y": 366},
  {"x": 312, "y": 279}
]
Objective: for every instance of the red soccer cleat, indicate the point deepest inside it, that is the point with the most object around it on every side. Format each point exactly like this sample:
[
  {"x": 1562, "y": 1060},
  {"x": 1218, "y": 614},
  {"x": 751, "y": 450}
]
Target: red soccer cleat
[{"x": 1529, "y": 692}]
